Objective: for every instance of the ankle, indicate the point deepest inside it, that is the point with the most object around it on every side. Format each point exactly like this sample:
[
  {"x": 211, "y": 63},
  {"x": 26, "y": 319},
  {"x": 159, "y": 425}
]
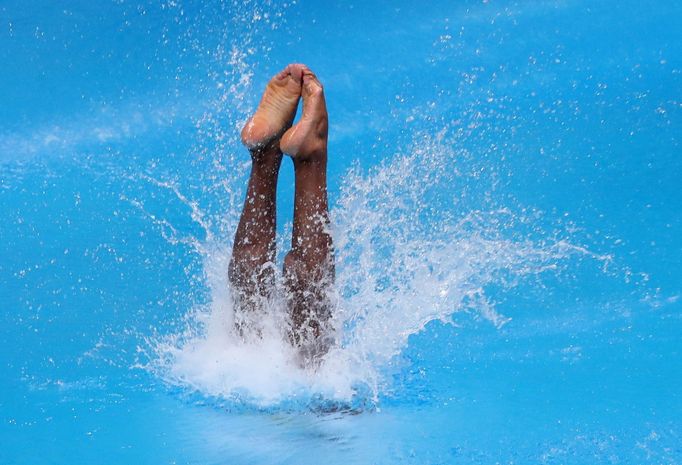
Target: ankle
[
  {"x": 311, "y": 173},
  {"x": 314, "y": 161},
  {"x": 266, "y": 159}
]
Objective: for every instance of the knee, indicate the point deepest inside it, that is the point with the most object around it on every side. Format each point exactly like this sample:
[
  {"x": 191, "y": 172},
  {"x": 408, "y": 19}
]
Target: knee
[
  {"x": 249, "y": 265},
  {"x": 299, "y": 272},
  {"x": 292, "y": 266}
]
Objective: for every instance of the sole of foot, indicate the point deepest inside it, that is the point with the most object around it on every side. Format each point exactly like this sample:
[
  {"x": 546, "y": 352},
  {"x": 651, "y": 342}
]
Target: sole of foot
[
  {"x": 307, "y": 139},
  {"x": 277, "y": 108}
]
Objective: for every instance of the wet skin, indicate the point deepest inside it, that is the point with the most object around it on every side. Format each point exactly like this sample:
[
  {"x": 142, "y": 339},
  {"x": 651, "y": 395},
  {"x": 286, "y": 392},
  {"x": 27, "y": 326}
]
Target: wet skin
[{"x": 309, "y": 265}]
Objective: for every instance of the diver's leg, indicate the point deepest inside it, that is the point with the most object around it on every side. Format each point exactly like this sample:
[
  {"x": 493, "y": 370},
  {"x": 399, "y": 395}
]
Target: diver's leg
[
  {"x": 309, "y": 266},
  {"x": 251, "y": 272}
]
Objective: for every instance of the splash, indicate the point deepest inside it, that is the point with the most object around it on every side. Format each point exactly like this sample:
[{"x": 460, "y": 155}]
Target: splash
[
  {"x": 407, "y": 254},
  {"x": 419, "y": 238}
]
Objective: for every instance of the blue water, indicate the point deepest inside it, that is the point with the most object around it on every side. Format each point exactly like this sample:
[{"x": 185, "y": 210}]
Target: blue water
[{"x": 504, "y": 179}]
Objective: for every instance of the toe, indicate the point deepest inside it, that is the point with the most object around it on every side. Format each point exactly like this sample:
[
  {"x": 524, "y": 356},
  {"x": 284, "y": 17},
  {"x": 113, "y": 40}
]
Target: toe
[
  {"x": 311, "y": 84},
  {"x": 297, "y": 71}
]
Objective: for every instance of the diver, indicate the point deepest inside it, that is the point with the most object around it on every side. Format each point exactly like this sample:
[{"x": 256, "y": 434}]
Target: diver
[{"x": 308, "y": 270}]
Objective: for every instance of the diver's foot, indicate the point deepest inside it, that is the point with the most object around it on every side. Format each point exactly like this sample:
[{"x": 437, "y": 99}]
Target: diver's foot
[
  {"x": 307, "y": 139},
  {"x": 276, "y": 110}
]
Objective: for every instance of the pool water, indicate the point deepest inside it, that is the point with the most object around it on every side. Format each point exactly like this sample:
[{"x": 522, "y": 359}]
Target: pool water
[{"x": 504, "y": 182}]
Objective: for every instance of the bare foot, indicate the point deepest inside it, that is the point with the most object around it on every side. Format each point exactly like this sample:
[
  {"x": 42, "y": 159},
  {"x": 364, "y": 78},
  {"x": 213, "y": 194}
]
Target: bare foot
[
  {"x": 307, "y": 139},
  {"x": 277, "y": 108}
]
